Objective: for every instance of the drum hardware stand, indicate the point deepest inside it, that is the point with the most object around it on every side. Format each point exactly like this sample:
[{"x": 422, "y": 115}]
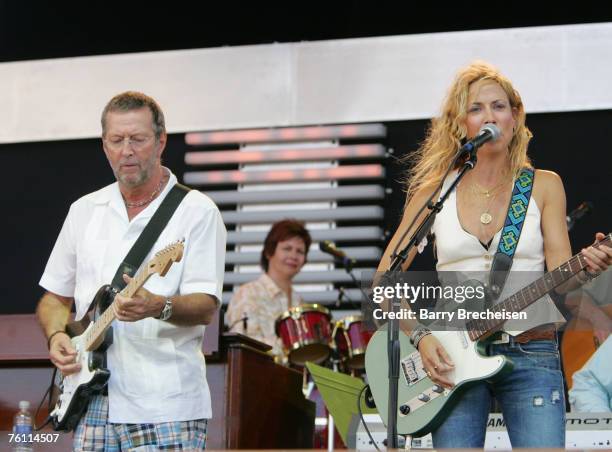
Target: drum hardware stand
[
  {"x": 341, "y": 296},
  {"x": 331, "y": 432},
  {"x": 307, "y": 386}
]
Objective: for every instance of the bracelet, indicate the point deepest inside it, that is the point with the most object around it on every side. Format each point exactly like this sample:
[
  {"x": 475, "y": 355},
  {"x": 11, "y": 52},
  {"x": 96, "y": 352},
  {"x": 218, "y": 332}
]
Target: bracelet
[
  {"x": 415, "y": 332},
  {"x": 51, "y": 337},
  {"x": 418, "y": 339},
  {"x": 418, "y": 334}
]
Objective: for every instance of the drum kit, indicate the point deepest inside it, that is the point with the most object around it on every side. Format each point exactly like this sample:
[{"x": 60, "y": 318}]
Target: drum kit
[{"x": 309, "y": 334}]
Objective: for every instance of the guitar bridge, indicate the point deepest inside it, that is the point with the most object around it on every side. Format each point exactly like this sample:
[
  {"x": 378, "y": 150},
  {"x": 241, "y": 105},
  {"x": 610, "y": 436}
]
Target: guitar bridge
[{"x": 412, "y": 368}]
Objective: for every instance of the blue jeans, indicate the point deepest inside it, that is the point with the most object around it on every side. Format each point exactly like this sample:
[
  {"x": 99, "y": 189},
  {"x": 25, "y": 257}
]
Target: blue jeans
[{"x": 531, "y": 397}]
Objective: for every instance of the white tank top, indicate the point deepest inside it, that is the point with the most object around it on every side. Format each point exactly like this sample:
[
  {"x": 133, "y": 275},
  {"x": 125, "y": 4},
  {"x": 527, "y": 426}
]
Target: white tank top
[{"x": 460, "y": 252}]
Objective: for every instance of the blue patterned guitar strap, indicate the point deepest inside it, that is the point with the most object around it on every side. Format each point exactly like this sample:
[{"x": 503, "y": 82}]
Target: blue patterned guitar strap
[{"x": 511, "y": 232}]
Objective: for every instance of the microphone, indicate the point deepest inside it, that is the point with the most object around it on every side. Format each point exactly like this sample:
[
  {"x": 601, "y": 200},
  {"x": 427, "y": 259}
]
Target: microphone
[
  {"x": 328, "y": 247},
  {"x": 488, "y": 132},
  {"x": 579, "y": 212},
  {"x": 243, "y": 319}
]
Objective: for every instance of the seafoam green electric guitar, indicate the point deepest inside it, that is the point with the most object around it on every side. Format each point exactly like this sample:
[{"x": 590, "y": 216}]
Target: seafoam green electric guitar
[{"x": 423, "y": 405}]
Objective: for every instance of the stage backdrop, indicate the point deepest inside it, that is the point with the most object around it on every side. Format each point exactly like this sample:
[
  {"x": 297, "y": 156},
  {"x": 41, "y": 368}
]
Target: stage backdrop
[{"x": 44, "y": 178}]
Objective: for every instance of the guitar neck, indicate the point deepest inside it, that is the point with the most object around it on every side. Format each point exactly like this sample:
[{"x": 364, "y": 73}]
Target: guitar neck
[
  {"x": 95, "y": 334},
  {"x": 530, "y": 294}
]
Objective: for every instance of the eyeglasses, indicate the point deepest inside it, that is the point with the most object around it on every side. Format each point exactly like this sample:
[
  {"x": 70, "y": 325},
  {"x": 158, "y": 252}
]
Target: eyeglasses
[{"x": 136, "y": 142}]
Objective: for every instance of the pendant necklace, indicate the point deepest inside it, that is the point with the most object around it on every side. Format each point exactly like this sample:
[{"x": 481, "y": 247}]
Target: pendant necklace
[{"x": 486, "y": 217}]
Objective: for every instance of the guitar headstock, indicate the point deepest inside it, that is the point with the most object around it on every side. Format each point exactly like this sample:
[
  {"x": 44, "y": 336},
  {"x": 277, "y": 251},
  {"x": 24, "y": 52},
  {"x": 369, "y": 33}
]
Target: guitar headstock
[
  {"x": 607, "y": 240},
  {"x": 166, "y": 257}
]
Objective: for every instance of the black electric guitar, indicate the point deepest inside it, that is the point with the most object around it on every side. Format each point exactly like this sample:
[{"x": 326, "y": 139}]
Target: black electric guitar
[{"x": 76, "y": 389}]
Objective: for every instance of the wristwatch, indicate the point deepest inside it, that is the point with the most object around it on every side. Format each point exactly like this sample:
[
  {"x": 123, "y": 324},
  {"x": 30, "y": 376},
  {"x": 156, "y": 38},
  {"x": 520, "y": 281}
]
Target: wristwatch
[{"x": 167, "y": 311}]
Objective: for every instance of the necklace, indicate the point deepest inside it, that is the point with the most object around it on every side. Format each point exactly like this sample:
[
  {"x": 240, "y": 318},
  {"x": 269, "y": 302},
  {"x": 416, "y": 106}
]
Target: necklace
[
  {"x": 131, "y": 205},
  {"x": 479, "y": 189},
  {"x": 486, "y": 217}
]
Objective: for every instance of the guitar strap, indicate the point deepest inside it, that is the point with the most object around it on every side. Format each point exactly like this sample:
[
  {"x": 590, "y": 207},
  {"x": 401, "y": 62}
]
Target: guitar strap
[
  {"x": 149, "y": 235},
  {"x": 143, "y": 245},
  {"x": 139, "y": 250},
  {"x": 132, "y": 262},
  {"x": 511, "y": 232}
]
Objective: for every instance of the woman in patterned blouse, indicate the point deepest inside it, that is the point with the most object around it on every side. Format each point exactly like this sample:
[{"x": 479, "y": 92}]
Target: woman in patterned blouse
[{"x": 262, "y": 301}]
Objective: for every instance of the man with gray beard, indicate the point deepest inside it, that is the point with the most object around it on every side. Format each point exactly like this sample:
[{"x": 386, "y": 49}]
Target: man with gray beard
[{"x": 157, "y": 395}]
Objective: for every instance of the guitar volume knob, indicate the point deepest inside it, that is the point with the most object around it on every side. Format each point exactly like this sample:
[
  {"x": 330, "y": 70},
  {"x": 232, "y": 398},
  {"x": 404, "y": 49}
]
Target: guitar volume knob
[
  {"x": 404, "y": 409},
  {"x": 423, "y": 397}
]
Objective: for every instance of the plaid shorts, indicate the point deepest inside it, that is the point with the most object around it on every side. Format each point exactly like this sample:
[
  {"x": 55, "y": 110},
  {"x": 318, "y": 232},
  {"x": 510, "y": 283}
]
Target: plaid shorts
[{"x": 95, "y": 433}]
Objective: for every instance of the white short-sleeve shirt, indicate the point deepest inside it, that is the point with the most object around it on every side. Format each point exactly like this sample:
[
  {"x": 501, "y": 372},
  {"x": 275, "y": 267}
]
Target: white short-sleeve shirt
[{"x": 158, "y": 372}]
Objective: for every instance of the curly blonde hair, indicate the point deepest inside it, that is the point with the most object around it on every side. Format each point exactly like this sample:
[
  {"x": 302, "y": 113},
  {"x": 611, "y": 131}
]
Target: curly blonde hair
[{"x": 446, "y": 132}]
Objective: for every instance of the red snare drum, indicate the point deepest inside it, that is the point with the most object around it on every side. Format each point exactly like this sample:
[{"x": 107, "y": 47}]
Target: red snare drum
[
  {"x": 306, "y": 333},
  {"x": 351, "y": 339}
]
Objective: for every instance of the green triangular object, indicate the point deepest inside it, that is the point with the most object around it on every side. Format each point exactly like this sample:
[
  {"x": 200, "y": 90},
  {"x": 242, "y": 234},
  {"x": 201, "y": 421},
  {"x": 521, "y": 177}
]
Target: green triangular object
[{"x": 339, "y": 392}]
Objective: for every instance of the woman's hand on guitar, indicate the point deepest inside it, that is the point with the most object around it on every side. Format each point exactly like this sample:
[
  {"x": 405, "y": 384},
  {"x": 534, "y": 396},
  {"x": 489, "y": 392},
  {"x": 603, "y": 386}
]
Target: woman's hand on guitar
[
  {"x": 142, "y": 305},
  {"x": 63, "y": 354},
  {"x": 598, "y": 259},
  {"x": 436, "y": 361}
]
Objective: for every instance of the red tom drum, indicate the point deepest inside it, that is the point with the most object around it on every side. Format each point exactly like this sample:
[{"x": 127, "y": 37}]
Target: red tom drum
[
  {"x": 305, "y": 331},
  {"x": 351, "y": 339}
]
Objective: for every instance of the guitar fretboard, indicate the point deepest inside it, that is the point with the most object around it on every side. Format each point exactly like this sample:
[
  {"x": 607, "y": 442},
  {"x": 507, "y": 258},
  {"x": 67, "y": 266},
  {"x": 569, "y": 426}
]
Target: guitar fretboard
[
  {"x": 531, "y": 293},
  {"x": 95, "y": 333}
]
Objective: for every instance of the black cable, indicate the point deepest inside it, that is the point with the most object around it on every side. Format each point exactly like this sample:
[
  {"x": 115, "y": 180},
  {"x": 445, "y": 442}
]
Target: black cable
[
  {"x": 362, "y": 420},
  {"x": 50, "y": 392}
]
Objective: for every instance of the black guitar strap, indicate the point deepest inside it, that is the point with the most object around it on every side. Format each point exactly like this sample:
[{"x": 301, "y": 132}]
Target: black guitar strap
[
  {"x": 132, "y": 261},
  {"x": 149, "y": 235},
  {"x": 147, "y": 238}
]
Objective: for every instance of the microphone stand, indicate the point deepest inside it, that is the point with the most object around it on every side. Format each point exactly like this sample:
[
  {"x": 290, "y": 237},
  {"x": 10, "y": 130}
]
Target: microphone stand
[
  {"x": 348, "y": 267},
  {"x": 393, "y": 345},
  {"x": 244, "y": 319}
]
